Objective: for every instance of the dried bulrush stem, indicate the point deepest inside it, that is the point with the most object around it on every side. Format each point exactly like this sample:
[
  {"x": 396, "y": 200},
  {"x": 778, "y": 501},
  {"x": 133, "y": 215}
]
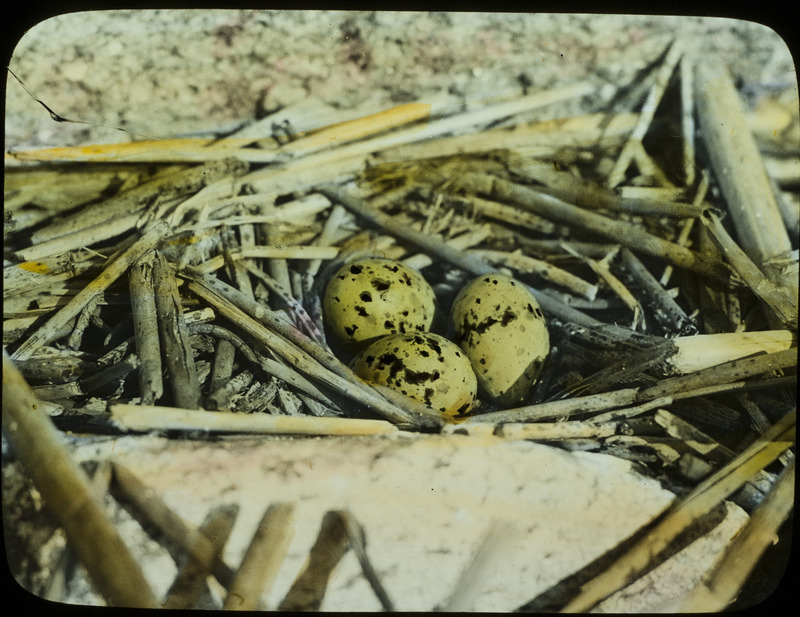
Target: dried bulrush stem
[
  {"x": 69, "y": 496},
  {"x": 263, "y": 558},
  {"x": 127, "y": 487},
  {"x": 174, "y": 336},
  {"x": 145, "y": 328},
  {"x": 740, "y": 171},
  {"x": 309, "y": 586},
  {"x": 151, "y": 237},
  {"x": 190, "y": 583},
  {"x": 704, "y": 498}
]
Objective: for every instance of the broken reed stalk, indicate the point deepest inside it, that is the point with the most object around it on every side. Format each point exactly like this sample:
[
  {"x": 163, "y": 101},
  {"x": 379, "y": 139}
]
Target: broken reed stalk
[
  {"x": 263, "y": 558},
  {"x": 145, "y": 327},
  {"x": 729, "y": 376},
  {"x": 309, "y": 586},
  {"x": 358, "y": 541},
  {"x": 178, "y": 352},
  {"x": 190, "y": 583},
  {"x": 625, "y": 233},
  {"x": 773, "y": 294},
  {"x": 69, "y": 496},
  {"x": 149, "y": 194},
  {"x": 152, "y": 235},
  {"x": 435, "y": 246},
  {"x": 126, "y": 486},
  {"x": 158, "y": 418},
  {"x": 716, "y": 593},
  {"x": 740, "y": 172},
  {"x": 701, "y": 500}
]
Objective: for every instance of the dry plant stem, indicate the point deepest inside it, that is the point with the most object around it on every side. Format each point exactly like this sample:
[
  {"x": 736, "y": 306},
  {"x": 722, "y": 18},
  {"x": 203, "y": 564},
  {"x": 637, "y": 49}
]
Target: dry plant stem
[
  {"x": 263, "y": 558},
  {"x": 665, "y": 309},
  {"x": 190, "y": 582},
  {"x": 741, "y": 174},
  {"x": 686, "y": 226},
  {"x": 127, "y": 487},
  {"x": 687, "y": 119},
  {"x": 704, "y": 498},
  {"x": 297, "y": 349},
  {"x": 627, "y": 234},
  {"x": 163, "y": 188},
  {"x": 701, "y": 351},
  {"x": 742, "y": 557},
  {"x": 434, "y": 246},
  {"x": 152, "y": 236},
  {"x": 221, "y": 373},
  {"x": 725, "y": 377},
  {"x": 774, "y": 295},
  {"x": 646, "y": 115},
  {"x": 145, "y": 328},
  {"x": 308, "y": 589},
  {"x": 70, "y": 497},
  {"x": 174, "y": 336},
  {"x": 547, "y": 271},
  {"x": 358, "y": 541}
]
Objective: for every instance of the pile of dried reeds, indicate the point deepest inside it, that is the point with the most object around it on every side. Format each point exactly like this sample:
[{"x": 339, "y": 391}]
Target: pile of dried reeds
[{"x": 174, "y": 286}]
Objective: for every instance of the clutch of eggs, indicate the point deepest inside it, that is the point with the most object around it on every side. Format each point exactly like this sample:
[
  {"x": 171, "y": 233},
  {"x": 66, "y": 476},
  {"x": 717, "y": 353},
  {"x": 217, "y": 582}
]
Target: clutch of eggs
[{"x": 502, "y": 330}]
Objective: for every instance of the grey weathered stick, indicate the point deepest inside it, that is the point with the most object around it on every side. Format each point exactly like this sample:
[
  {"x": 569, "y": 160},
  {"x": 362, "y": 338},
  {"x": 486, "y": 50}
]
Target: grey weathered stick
[
  {"x": 190, "y": 583},
  {"x": 162, "y": 188},
  {"x": 263, "y": 558},
  {"x": 151, "y": 237},
  {"x": 145, "y": 329},
  {"x": 743, "y": 556},
  {"x": 69, "y": 496},
  {"x": 358, "y": 540},
  {"x": 776, "y": 297},
  {"x": 308, "y": 589},
  {"x": 223, "y": 367},
  {"x": 665, "y": 309},
  {"x": 437, "y": 247},
  {"x": 740, "y": 172},
  {"x": 297, "y": 349},
  {"x": 174, "y": 336},
  {"x": 127, "y": 487},
  {"x": 625, "y": 233},
  {"x": 701, "y": 500}
]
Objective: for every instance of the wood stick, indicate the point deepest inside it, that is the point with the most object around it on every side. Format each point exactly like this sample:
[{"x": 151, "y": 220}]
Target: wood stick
[
  {"x": 623, "y": 232},
  {"x": 145, "y": 328},
  {"x": 154, "y": 418},
  {"x": 743, "y": 555},
  {"x": 647, "y": 113},
  {"x": 151, "y": 237},
  {"x": 358, "y": 540},
  {"x": 126, "y": 486},
  {"x": 69, "y": 496},
  {"x": 664, "y": 308},
  {"x": 190, "y": 582},
  {"x": 740, "y": 172},
  {"x": 297, "y": 349},
  {"x": 774, "y": 295},
  {"x": 705, "y": 496},
  {"x": 694, "y": 353},
  {"x": 308, "y": 589},
  {"x": 263, "y": 558},
  {"x": 688, "y": 130},
  {"x": 161, "y": 189},
  {"x": 178, "y": 352}
]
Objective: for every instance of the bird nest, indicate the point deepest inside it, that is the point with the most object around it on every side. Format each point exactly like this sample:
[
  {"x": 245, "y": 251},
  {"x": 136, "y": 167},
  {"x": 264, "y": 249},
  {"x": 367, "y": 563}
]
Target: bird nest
[{"x": 175, "y": 287}]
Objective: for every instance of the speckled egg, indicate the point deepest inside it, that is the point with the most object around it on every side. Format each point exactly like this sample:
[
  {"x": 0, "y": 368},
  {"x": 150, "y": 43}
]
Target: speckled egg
[
  {"x": 423, "y": 366},
  {"x": 372, "y": 297},
  {"x": 502, "y": 330}
]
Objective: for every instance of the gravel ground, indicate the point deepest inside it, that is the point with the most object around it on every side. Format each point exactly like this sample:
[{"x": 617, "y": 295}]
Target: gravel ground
[{"x": 162, "y": 73}]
